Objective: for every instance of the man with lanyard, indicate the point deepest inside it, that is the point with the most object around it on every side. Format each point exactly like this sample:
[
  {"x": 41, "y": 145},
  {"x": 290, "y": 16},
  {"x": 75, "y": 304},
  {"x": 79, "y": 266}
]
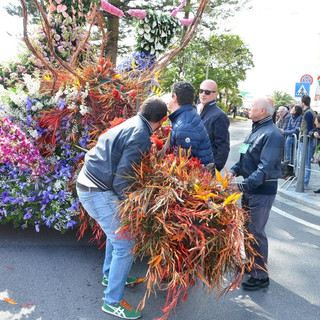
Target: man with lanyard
[
  {"x": 216, "y": 122},
  {"x": 260, "y": 166}
]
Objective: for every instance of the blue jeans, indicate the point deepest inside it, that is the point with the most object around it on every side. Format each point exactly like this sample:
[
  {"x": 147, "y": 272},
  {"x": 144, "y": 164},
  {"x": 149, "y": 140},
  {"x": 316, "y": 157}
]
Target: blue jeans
[
  {"x": 102, "y": 206},
  {"x": 308, "y": 160},
  {"x": 289, "y": 146}
]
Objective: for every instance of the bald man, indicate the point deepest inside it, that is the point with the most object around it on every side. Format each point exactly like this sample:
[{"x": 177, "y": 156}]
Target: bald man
[
  {"x": 216, "y": 122},
  {"x": 260, "y": 166}
]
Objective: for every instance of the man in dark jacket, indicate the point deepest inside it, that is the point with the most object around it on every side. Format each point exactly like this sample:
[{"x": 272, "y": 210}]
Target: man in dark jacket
[
  {"x": 284, "y": 117},
  {"x": 260, "y": 166},
  {"x": 100, "y": 185},
  {"x": 215, "y": 121},
  {"x": 307, "y": 124},
  {"x": 188, "y": 130}
]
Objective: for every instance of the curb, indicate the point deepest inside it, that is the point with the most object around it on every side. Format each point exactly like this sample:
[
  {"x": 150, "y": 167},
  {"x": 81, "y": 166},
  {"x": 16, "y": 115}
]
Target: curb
[{"x": 307, "y": 199}]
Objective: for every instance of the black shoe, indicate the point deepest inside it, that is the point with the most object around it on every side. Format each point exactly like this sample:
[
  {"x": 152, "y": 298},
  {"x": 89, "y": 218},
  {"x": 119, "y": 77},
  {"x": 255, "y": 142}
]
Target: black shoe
[
  {"x": 253, "y": 284},
  {"x": 317, "y": 191}
]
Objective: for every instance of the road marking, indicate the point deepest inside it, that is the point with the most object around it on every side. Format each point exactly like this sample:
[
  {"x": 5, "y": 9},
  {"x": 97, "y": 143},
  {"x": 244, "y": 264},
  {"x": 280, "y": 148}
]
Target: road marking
[
  {"x": 297, "y": 205},
  {"x": 291, "y": 217}
]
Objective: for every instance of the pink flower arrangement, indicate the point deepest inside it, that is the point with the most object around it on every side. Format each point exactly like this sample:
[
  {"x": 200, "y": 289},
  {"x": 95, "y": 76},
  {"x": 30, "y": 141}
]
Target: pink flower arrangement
[
  {"x": 186, "y": 22},
  {"x": 16, "y": 149},
  {"x": 140, "y": 14},
  {"x": 177, "y": 10},
  {"x": 106, "y": 6}
]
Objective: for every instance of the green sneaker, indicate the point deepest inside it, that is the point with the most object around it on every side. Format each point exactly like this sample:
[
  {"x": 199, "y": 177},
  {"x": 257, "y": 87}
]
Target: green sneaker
[
  {"x": 122, "y": 310},
  {"x": 130, "y": 280}
]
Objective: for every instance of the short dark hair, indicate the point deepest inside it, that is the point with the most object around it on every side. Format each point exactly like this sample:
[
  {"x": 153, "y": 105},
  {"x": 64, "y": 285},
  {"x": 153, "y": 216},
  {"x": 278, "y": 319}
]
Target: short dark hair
[
  {"x": 154, "y": 109},
  {"x": 318, "y": 118},
  {"x": 306, "y": 100},
  {"x": 184, "y": 92}
]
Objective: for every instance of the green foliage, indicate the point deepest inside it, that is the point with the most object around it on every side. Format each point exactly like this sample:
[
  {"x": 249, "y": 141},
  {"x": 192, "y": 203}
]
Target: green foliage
[
  {"x": 282, "y": 99},
  {"x": 223, "y": 58}
]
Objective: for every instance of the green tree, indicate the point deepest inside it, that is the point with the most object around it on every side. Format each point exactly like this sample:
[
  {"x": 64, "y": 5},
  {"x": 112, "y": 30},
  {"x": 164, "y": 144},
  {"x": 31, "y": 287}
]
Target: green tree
[
  {"x": 282, "y": 99},
  {"x": 223, "y": 58}
]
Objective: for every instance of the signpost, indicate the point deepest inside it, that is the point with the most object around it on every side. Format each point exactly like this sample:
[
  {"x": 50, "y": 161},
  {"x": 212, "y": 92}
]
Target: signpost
[
  {"x": 302, "y": 89},
  {"x": 306, "y": 78},
  {"x": 317, "y": 93}
]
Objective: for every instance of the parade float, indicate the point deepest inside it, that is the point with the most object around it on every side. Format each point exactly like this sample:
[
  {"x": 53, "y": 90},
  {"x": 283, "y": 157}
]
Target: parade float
[{"x": 185, "y": 220}]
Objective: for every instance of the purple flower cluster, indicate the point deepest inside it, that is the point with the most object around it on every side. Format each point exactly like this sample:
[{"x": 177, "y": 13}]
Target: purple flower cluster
[
  {"x": 16, "y": 149},
  {"x": 24, "y": 201},
  {"x": 138, "y": 62}
]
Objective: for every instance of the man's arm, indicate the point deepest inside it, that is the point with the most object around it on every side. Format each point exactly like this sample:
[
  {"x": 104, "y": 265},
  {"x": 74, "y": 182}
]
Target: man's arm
[
  {"x": 309, "y": 120},
  {"x": 222, "y": 141},
  {"x": 132, "y": 153},
  {"x": 269, "y": 158}
]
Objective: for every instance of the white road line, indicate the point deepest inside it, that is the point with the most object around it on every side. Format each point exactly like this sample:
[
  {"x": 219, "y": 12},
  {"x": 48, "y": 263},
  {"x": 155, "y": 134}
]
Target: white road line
[
  {"x": 291, "y": 217},
  {"x": 299, "y": 206}
]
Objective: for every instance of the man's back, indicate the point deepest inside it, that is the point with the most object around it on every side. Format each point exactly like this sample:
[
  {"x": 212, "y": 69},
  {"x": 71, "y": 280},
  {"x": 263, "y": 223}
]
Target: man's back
[{"x": 189, "y": 131}]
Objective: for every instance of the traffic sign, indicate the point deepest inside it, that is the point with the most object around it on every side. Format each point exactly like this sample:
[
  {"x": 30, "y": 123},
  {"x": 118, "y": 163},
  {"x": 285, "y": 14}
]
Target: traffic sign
[
  {"x": 306, "y": 78},
  {"x": 302, "y": 89}
]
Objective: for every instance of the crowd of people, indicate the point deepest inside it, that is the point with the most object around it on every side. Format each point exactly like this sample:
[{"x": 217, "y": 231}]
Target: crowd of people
[
  {"x": 295, "y": 122},
  {"x": 204, "y": 130}
]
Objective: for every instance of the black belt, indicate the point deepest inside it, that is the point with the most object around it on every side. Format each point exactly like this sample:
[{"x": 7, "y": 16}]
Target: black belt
[{"x": 85, "y": 188}]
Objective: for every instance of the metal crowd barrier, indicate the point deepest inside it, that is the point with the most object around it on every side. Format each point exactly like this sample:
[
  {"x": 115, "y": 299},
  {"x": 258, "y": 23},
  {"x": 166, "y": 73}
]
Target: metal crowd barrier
[{"x": 298, "y": 162}]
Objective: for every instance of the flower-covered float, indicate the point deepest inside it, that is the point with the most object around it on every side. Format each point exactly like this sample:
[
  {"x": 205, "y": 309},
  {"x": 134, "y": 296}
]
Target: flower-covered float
[{"x": 183, "y": 219}]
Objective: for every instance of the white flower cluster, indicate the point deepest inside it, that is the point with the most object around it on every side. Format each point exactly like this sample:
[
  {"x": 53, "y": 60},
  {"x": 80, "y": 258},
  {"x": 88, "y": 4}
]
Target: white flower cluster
[
  {"x": 33, "y": 86},
  {"x": 155, "y": 33},
  {"x": 72, "y": 96}
]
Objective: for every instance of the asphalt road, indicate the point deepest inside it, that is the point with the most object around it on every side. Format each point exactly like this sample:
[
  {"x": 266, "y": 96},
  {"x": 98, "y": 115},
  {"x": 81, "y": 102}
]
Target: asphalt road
[{"x": 55, "y": 277}]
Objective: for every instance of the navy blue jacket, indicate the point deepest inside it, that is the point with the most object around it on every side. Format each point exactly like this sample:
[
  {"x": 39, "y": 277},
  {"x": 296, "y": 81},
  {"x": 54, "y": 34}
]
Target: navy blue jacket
[
  {"x": 217, "y": 124},
  {"x": 260, "y": 165},
  {"x": 115, "y": 152},
  {"x": 189, "y": 131},
  {"x": 293, "y": 126}
]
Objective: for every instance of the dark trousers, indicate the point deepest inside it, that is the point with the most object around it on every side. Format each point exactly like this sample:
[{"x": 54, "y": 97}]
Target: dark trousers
[{"x": 258, "y": 207}]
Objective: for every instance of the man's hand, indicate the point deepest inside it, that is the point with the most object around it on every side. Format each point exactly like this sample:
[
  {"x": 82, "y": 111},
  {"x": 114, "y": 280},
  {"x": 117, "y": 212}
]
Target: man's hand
[{"x": 230, "y": 175}]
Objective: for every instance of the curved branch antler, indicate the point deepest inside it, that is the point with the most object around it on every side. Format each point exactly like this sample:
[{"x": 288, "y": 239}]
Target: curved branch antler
[
  {"x": 104, "y": 35},
  {"x": 93, "y": 17},
  {"x": 48, "y": 33},
  {"x": 32, "y": 48}
]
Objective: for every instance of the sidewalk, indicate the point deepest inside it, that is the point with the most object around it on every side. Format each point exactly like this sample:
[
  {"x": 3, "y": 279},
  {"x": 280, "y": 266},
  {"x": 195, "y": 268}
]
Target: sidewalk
[{"x": 308, "y": 197}]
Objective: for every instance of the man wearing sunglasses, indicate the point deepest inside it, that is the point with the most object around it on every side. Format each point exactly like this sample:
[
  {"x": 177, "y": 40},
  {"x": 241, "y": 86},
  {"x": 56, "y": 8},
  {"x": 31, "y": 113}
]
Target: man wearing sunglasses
[{"x": 216, "y": 122}]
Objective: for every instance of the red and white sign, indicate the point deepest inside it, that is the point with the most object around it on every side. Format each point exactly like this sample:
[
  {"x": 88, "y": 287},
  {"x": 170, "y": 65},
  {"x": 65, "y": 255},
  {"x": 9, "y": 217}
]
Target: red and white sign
[{"x": 306, "y": 78}]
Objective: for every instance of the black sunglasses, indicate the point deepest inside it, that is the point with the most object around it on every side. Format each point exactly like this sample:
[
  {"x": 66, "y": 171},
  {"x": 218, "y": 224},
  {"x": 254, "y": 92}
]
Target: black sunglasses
[{"x": 207, "y": 92}]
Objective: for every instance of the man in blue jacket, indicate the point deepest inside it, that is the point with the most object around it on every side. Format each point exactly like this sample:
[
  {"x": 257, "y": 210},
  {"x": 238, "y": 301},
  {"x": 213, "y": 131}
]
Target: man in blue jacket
[
  {"x": 100, "y": 185},
  {"x": 215, "y": 121},
  {"x": 260, "y": 166},
  {"x": 188, "y": 131}
]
